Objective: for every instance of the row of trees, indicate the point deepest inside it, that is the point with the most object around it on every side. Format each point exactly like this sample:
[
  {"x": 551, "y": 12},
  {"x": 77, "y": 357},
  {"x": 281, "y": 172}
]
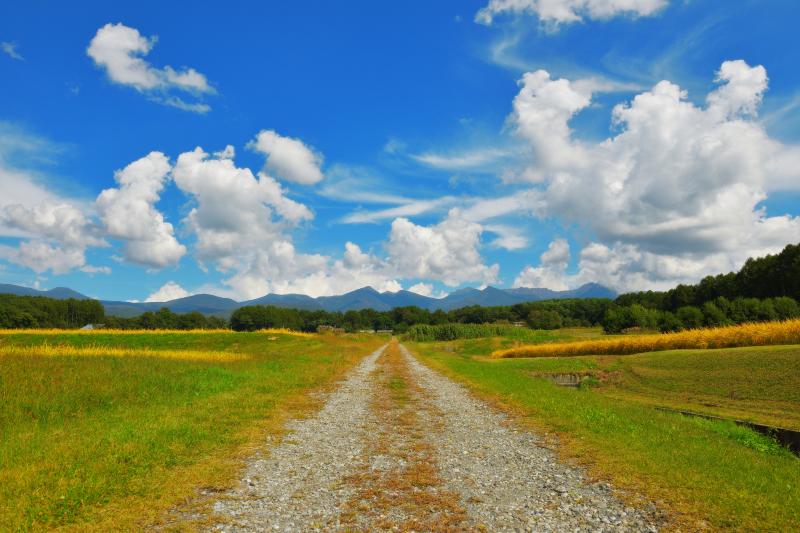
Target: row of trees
[
  {"x": 718, "y": 312},
  {"x": 18, "y": 312},
  {"x": 764, "y": 277},
  {"x": 539, "y": 315},
  {"x": 40, "y": 312},
  {"x": 166, "y": 319},
  {"x": 765, "y": 288}
]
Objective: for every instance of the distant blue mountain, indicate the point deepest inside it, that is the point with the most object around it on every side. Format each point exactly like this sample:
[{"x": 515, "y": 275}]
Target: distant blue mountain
[
  {"x": 59, "y": 293},
  {"x": 208, "y": 304},
  {"x": 364, "y": 298}
]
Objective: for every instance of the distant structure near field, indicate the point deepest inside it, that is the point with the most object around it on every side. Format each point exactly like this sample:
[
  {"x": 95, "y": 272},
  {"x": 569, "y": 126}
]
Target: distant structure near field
[
  {"x": 89, "y": 327},
  {"x": 329, "y": 329},
  {"x": 385, "y": 331},
  {"x": 519, "y": 324}
]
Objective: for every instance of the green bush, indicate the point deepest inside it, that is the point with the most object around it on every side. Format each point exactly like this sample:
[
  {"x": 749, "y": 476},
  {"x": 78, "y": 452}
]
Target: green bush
[{"x": 450, "y": 332}]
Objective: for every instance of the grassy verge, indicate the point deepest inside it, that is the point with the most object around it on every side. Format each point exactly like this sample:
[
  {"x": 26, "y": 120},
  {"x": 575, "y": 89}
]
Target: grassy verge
[
  {"x": 758, "y": 334},
  {"x": 94, "y": 441},
  {"x": 707, "y": 475},
  {"x": 757, "y": 384}
]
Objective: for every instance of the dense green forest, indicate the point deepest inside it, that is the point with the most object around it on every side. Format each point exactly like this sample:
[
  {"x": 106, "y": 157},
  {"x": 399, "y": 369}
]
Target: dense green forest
[
  {"x": 766, "y": 288},
  {"x": 166, "y": 319},
  {"x": 18, "y": 312},
  {"x": 549, "y": 314},
  {"x": 765, "y": 277},
  {"x": 41, "y": 312}
]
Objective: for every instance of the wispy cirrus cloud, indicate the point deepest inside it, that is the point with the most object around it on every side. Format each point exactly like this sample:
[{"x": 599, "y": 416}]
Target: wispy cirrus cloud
[
  {"x": 555, "y": 12},
  {"x": 482, "y": 158},
  {"x": 408, "y": 209},
  {"x": 11, "y": 50}
]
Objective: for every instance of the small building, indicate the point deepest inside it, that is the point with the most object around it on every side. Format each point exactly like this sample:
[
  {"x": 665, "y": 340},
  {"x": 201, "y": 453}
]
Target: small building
[
  {"x": 329, "y": 329},
  {"x": 90, "y": 327},
  {"x": 384, "y": 331},
  {"x": 519, "y": 324}
]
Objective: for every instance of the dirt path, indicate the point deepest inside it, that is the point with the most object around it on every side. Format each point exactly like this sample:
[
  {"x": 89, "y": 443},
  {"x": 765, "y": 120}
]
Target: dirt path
[{"x": 398, "y": 447}]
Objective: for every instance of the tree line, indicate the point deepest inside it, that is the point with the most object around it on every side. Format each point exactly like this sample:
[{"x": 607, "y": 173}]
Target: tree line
[
  {"x": 765, "y": 288},
  {"x": 718, "y": 312},
  {"x": 539, "y": 315},
  {"x": 25, "y": 312},
  {"x": 164, "y": 318},
  {"x": 41, "y": 312},
  {"x": 770, "y": 276}
]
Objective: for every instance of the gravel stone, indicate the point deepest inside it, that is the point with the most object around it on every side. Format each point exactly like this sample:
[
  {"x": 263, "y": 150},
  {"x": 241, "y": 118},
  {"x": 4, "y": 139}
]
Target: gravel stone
[
  {"x": 505, "y": 478},
  {"x": 298, "y": 487}
]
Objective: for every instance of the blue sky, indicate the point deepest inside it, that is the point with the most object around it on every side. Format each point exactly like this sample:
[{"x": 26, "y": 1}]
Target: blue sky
[{"x": 423, "y": 145}]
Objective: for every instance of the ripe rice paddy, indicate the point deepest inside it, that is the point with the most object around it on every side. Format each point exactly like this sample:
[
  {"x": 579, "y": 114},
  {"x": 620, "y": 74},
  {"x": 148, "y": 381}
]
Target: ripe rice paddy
[{"x": 757, "y": 334}]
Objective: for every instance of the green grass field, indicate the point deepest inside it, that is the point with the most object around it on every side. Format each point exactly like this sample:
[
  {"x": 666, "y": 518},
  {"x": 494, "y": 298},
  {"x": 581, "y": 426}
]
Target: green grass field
[
  {"x": 707, "y": 474},
  {"x": 91, "y": 441},
  {"x": 756, "y": 384}
]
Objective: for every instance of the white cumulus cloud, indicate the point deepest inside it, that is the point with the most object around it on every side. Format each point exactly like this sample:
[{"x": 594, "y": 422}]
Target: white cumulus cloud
[
  {"x": 675, "y": 193},
  {"x": 551, "y": 272},
  {"x": 41, "y": 256},
  {"x": 56, "y": 229},
  {"x": 169, "y": 291},
  {"x": 447, "y": 251},
  {"x": 242, "y": 223},
  {"x": 290, "y": 159},
  {"x": 128, "y": 213},
  {"x": 120, "y": 50}
]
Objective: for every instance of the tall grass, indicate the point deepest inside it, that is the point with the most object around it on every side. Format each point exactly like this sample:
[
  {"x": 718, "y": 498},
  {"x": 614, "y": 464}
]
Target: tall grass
[
  {"x": 449, "y": 332},
  {"x": 757, "y": 334}
]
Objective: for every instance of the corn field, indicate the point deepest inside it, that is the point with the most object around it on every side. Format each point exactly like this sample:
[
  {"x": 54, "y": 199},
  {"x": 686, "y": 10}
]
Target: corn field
[{"x": 753, "y": 334}]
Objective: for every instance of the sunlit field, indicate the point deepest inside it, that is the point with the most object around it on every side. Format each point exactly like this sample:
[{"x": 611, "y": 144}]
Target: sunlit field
[
  {"x": 107, "y": 430},
  {"x": 758, "y": 334},
  {"x": 707, "y": 474}
]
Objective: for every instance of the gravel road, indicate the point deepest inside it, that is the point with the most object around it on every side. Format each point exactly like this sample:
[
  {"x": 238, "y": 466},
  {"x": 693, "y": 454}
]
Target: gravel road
[{"x": 399, "y": 447}]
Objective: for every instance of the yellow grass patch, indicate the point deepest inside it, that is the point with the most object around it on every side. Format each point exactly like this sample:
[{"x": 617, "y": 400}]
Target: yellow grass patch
[
  {"x": 284, "y": 331},
  {"x": 47, "y": 350},
  {"x": 54, "y": 331},
  {"x": 102, "y": 331},
  {"x": 756, "y": 334}
]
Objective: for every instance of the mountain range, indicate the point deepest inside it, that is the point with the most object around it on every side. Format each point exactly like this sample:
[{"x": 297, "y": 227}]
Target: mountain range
[{"x": 363, "y": 298}]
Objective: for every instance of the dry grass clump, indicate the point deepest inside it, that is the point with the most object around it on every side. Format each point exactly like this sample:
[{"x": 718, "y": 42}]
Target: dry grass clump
[
  {"x": 755, "y": 334},
  {"x": 47, "y": 350},
  {"x": 284, "y": 331}
]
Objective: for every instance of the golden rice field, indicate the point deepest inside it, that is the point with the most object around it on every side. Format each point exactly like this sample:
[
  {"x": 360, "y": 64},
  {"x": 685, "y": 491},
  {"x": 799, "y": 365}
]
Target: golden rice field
[
  {"x": 756, "y": 334},
  {"x": 137, "y": 332},
  {"x": 61, "y": 350}
]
